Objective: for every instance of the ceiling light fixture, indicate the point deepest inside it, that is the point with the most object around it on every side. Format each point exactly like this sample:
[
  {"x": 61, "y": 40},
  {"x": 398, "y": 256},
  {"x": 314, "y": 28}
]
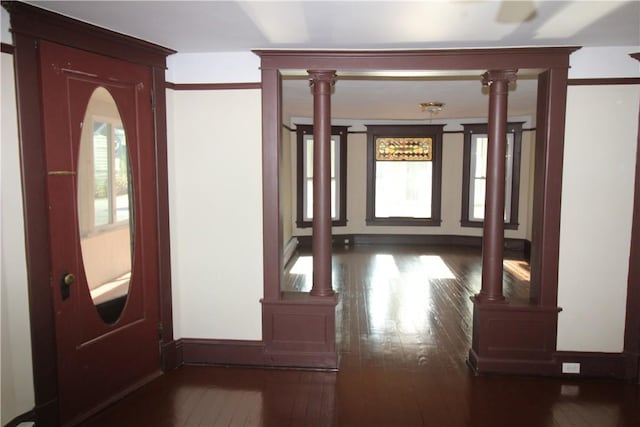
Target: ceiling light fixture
[{"x": 432, "y": 107}]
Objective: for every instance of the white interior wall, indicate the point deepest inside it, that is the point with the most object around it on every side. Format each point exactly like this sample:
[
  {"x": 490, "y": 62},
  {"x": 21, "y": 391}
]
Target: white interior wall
[
  {"x": 213, "y": 67},
  {"x": 215, "y": 202},
  {"x": 604, "y": 62},
  {"x": 16, "y": 373},
  {"x": 597, "y": 202},
  {"x": 602, "y": 130}
]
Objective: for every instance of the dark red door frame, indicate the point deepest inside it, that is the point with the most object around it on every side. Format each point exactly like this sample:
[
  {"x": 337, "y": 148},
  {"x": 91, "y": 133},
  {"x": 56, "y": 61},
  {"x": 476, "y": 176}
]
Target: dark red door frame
[{"x": 30, "y": 25}]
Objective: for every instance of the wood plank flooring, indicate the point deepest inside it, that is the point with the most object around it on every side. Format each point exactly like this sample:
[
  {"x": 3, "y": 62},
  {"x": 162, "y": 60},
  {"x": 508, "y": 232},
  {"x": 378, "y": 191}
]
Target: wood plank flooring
[{"x": 404, "y": 332}]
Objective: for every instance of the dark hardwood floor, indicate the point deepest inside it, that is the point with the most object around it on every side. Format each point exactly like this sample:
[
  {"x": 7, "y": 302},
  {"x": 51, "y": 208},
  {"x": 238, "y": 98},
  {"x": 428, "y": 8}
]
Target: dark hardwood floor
[{"x": 404, "y": 334}]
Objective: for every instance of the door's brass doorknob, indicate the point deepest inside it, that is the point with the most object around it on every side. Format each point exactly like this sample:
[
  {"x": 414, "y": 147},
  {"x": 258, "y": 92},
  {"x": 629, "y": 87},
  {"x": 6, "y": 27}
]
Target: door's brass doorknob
[
  {"x": 65, "y": 283},
  {"x": 69, "y": 278}
]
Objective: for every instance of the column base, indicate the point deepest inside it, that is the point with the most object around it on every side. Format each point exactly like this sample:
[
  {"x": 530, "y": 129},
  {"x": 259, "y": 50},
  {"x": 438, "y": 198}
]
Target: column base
[
  {"x": 322, "y": 293},
  {"x": 513, "y": 339},
  {"x": 299, "y": 331},
  {"x": 489, "y": 299}
]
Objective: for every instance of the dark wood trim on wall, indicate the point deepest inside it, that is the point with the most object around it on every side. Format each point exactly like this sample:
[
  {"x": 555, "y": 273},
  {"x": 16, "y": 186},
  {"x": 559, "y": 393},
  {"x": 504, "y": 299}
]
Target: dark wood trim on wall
[
  {"x": 234, "y": 353},
  {"x": 44, "y": 25},
  {"x": 30, "y": 25},
  {"x": 527, "y": 249},
  {"x": 212, "y": 86},
  {"x": 34, "y": 191},
  {"x": 7, "y": 48},
  {"x": 632, "y": 322},
  {"x": 167, "y": 345},
  {"x": 437, "y": 59},
  {"x": 549, "y": 149},
  {"x": 221, "y": 352},
  {"x": 515, "y": 246},
  {"x": 604, "y": 82},
  {"x": 593, "y": 365}
]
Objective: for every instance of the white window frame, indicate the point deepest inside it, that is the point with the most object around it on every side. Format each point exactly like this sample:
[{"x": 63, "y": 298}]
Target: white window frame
[{"x": 111, "y": 190}]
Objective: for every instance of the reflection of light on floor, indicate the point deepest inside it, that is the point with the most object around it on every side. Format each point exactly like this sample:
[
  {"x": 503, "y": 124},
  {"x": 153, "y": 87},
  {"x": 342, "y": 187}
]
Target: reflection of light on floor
[
  {"x": 435, "y": 267},
  {"x": 570, "y": 390},
  {"x": 385, "y": 265},
  {"x": 413, "y": 300},
  {"x": 520, "y": 269},
  {"x": 303, "y": 265},
  {"x": 394, "y": 298},
  {"x": 385, "y": 271},
  {"x": 112, "y": 289}
]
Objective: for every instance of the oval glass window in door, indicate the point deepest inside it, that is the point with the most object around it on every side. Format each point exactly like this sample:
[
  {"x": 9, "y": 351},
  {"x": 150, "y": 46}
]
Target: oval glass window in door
[{"x": 105, "y": 205}]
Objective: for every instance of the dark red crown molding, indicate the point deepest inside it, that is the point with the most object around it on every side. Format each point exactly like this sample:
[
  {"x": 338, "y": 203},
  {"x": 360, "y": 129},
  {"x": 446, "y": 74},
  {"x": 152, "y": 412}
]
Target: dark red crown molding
[
  {"x": 604, "y": 81},
  {"x": 436, "y": 59},
  {"x": 45, "y": 25}
]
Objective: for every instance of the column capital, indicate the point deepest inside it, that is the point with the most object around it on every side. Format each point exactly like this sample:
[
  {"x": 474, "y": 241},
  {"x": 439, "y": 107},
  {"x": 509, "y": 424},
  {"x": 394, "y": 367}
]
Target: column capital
[
  {"x": 322, "y": 76},
  {"x": 499, "y": 75}
]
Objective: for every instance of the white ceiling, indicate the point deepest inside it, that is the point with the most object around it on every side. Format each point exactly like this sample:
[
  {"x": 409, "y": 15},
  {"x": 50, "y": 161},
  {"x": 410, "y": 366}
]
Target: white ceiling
[
  {"x": 215, "y": 26},
  {"x": 209, "y": 26}
]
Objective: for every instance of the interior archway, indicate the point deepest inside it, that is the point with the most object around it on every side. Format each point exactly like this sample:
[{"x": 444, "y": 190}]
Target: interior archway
[{"x": 552, "y": 64}]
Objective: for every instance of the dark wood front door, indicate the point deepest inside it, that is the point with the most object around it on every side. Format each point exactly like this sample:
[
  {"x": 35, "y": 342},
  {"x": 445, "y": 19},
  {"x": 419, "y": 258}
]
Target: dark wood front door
[{"x": 102, "y": 352}]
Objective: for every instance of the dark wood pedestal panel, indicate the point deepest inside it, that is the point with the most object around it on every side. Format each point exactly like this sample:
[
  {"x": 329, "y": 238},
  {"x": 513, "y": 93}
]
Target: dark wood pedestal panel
[
  {"x": 299, "y": 331},
  {"x": 514, "y": 339}
]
